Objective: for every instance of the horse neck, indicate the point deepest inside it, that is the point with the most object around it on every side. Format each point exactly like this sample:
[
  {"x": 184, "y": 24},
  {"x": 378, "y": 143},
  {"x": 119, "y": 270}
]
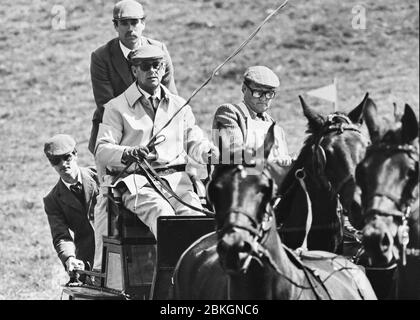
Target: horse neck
[
  {"x": 267, "y": 281},
  {"x": 321, "y": 198}
]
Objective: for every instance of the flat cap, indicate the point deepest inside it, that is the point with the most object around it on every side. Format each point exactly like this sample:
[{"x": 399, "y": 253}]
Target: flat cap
[
  {"x": 58, "y": 145},
  {"x": 128, "y": 9},
  {"x": 262, "y": 75},
  {"x": 146, "y": 52}
]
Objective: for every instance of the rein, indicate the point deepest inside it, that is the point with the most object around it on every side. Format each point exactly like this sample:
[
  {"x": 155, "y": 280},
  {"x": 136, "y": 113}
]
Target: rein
[
  {"x": 152, "y": 176},
  {"x": 404, "y": 203},
  {"x": 260, "y": 253},
  {"x": 213, "y": 74},
  {"x": 319, "y": 153}
]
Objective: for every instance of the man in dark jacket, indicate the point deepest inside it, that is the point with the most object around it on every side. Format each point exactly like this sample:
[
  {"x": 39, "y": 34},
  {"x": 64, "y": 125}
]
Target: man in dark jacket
[
  {"x": 70, "y": 204},
  {"x": 110, "y": 71}
]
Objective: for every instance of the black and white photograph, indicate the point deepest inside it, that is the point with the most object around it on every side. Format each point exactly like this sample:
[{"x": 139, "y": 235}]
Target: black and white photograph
[{"x": 209, "y": 155}]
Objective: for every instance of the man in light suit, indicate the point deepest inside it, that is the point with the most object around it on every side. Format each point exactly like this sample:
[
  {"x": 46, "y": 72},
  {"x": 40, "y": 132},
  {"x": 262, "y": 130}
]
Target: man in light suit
[
  {"x": 128, "y": 123},
  {"x": 70, "y": 205},
  {"x": 245, "y": 124},
  {"x": 109, "y": 68}
]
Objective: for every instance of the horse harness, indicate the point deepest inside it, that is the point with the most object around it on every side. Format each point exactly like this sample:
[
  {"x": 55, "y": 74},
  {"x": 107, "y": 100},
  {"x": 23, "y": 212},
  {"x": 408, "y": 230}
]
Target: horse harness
[
  {"x": 319, "y": 164},
  {"x": 260, "y": 232},
  {"x": 404, "y": 203},
  {"x": 319, "y": 155}
]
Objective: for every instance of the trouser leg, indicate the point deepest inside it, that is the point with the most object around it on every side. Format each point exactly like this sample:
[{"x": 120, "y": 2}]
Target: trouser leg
[
  {"x": 100, "y": 229},
  {"x": 189, "y": 197},
  {"x": 148, "y": 206}
]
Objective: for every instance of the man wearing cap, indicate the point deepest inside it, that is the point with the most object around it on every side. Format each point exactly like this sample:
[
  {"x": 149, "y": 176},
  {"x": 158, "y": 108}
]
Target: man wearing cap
[
  {"x": 70, "y": 204},
  {"x": 109, "y": 68},
  {"x": 130, "y": 120},
  {"x": 244, "y": 125}
]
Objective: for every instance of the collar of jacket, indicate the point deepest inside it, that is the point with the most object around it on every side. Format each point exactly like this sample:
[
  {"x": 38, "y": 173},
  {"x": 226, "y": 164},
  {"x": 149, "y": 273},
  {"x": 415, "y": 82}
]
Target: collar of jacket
[{"x": 132, "y": 94}]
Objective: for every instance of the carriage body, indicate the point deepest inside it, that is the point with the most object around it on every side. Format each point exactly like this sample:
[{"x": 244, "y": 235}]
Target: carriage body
[{"x": 135, "y": 265}]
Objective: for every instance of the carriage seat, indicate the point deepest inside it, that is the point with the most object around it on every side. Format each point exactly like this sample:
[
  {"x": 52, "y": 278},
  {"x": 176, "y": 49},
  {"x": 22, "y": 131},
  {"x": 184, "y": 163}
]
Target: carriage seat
[{"x": 124, "y": 224}]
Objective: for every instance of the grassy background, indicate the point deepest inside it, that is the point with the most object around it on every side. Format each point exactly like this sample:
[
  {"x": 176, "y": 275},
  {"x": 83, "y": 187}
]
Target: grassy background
[{"x": 45, "y": 87}]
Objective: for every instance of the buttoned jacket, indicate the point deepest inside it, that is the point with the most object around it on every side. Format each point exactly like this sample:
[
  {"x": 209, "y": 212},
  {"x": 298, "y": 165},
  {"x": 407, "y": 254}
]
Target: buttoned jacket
[
  {"x": 129, "y": 120},
  {"x": 65, "y": 213},
  {"x": 111, "y": 76}
]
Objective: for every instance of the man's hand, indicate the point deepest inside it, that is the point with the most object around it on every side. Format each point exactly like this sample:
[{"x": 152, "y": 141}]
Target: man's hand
[
  {"x": 285, "y": 161},
  {"x": 212, "y": 153},
  {"x": 74, "y": 264},
  {"x": 132, "y": 154}
]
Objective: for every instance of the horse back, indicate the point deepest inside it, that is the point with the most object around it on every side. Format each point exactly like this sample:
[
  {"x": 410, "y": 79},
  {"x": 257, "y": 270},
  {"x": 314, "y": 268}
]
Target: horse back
[
  {"x": 198, "y": 274},
  {"x": 342, "y": 279}
]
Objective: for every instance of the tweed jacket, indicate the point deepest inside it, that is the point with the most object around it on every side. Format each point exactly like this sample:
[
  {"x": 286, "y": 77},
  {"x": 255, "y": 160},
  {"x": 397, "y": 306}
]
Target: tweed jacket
[
  {"x": 111, "y": 76},
  {"x": 65, "y": 213},
  {"x": 231, "y": 122}
]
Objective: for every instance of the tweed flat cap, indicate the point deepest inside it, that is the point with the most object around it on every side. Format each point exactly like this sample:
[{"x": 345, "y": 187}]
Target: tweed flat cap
[
  {"x": 128, "y": 9},
  {"x": 262, "y": 75},
  {"x": 58, "y": 145},
  {"x": 146, "y": 52}
]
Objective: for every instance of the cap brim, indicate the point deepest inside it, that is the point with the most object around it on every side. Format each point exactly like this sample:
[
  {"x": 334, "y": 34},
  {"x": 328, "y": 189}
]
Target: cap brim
[{"x": 128, "y": 18}]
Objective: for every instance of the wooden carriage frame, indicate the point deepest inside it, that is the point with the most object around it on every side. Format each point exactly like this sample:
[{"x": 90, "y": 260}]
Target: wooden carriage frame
[{"x": 135, "y": 265}]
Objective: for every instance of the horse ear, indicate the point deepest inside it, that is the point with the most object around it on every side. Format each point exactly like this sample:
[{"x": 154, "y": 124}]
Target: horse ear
[
  {"x": 410, "y": 126},
  {"x": 269, "y": 141},
  {"x": 370, "y": 114},
  {"x": 356, "y": 115},
  {"x": 315, "y": 120}
]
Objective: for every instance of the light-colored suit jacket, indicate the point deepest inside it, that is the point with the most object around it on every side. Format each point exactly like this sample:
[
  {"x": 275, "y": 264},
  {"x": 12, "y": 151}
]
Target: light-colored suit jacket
[
  {"x": 128, "y": 121},
  {"x": 111, "y": 76},
  {"x": 65, "y": 212}
]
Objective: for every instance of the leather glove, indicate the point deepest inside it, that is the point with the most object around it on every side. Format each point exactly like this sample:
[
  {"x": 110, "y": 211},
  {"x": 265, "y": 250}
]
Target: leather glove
[{"x": 132, "y": 154}]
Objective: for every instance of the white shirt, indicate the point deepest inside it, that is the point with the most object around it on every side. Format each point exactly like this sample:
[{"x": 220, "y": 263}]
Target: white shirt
[
  {"x": 156, "y": 95},
  {"x": 125, "y": 50},
  {"x": 79, "y": 179}
]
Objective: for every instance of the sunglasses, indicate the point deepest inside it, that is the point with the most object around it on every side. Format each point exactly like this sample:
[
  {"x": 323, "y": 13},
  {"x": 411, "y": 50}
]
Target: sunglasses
[
  {"x": 259, "y": 93},
  {"x": 146, "y": 66},
  {"x": 56, "y": 160}
]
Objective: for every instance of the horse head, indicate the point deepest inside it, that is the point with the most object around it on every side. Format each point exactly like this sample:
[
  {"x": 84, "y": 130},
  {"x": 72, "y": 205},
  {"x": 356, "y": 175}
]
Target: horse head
[
  {"x": 241, "y": 195},
  {"x": 388, "y": 179},
  {"x": 338, "y": 145},
  {"x": 328, "y": 161}
]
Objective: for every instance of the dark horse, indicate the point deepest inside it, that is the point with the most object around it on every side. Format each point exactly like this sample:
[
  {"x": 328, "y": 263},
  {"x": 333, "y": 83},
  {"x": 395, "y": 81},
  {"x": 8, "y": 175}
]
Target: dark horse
[
  {"x": 388, "y": 178},
  {"x": 245, "y": 258},
  {"x": 326, "y": 164}
]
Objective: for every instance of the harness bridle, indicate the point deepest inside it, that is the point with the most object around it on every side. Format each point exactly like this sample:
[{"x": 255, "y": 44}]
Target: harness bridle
[
  {"x": 259, "y": 233},
  {"x": 319, "y": 156},
  {"x": 404, "y": 202},
  {"x": 256, "y": 229}
]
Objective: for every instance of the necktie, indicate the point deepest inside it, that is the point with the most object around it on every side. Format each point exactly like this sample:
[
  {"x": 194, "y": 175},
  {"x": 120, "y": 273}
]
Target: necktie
[
  {"x": 77, "y": 190},
  {"x": 152, "y": 102},
  {"x": 260, "y": 116},
  {"x": 129, "y": 67}
]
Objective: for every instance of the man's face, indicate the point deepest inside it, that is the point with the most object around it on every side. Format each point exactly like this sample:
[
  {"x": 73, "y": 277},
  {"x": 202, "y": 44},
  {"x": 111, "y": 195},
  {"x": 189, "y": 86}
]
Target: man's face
[
  {"x": 129, "y": 31},
  {"x": 255, "y": 96},
  {"x": 149, "y": 74},
  {"x": 66, "y": 166}
]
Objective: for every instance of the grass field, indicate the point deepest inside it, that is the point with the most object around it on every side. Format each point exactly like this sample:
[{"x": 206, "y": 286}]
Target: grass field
[{"x": 45, "y": 87}]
